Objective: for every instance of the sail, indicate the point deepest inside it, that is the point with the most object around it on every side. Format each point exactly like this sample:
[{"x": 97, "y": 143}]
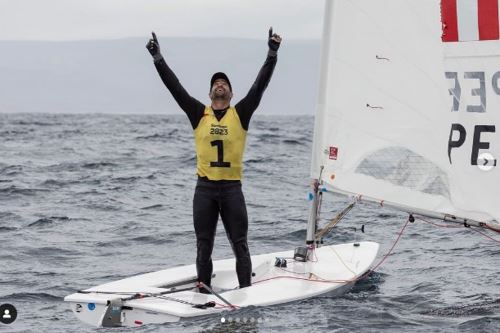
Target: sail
[{"x": 408, "y": 105}]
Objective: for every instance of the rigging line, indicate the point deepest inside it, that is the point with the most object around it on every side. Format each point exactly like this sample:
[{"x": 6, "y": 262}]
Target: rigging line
[
  {"x": 460, "y": 226},
  {"x": 347, "y": 280},
  {"x": 136, "y": 295},
  {"x": 437, "y": 224},
  {"x": 320, "y": 234},
  {"x": 341, "y": 260},
  {"x": 292, "y": 272},
  {"x": 202, "y": 284},
  {"x": 485, "y": 235},
  {"x": 111, "y": 292},
  {"x": 168, "y": 298},
  {"x": 306, "y": 279},
  {"x": 491, "y": 228},
  {"x": 201, "y": 306},
  {"x": 387, "y": 254},
  {"x": 221, "y": 306},
  {"x": 364, "y": 276}
]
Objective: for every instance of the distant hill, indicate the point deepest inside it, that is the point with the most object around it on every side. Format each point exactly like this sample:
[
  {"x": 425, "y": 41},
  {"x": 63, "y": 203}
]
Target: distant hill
[{"x": 118, "y": 76}]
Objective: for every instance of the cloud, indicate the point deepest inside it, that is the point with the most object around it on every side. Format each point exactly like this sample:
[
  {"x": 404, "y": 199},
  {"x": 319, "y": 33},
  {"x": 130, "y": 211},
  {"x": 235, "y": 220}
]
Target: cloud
[{"x": 110, "y": 19}]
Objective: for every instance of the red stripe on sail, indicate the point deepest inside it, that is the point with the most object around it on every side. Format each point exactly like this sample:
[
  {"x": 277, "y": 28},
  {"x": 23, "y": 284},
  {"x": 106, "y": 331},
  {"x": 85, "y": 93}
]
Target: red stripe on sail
[
  {"x": 449, "y": 20},
  {"x": 488, "y": 19}
]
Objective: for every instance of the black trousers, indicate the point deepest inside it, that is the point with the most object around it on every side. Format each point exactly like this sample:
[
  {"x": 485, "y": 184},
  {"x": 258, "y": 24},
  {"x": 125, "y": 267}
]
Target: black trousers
[{"x": 224, "y": 198}]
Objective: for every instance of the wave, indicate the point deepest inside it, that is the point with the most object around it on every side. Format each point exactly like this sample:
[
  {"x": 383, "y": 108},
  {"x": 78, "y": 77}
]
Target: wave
[
  {"x": 126, "y": 180},
  {"x": 4, "y": 229},
  {"x": 45, "y": 221},
  {"x": 9, "y": 134},
  {"x": 35, "y": 123},
  {"x": 150, "y": 240},
  {"x": 31, "y": 297},
  {"x": 14, "y": 190},
  {"x": 475, "y": 309},
  {"x": 53, "y": 252},
  {"x": 11, "y": 170},
  {"x": 293, "y": 142},
  {"x": 266, "y": 137},
  {"x": 158, "y": 136},
  {"x": 152, "y": 207},
  {"x": 483, "y": 324},
  {"x": 98, "y": 165},
  {"x": 53, "y": 182},
  {"x": 257, "y": 160},
  {"x": 77, "y": 166},
  {"x": 168, "y": 239},
  {"x": 369, "y": 284}
]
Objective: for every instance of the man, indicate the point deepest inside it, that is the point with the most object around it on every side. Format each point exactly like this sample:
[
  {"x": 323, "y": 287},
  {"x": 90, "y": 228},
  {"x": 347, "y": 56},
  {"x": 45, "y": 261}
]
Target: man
[{"x": 220, "y": 133}]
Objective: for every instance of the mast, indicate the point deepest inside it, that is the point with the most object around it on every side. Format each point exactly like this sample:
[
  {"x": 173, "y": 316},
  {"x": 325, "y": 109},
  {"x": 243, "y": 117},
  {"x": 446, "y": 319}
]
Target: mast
[
  {"x": 312, "y": 224},
  {"x": 320, "y": 111},
  {"x": 316, "y": 170}
]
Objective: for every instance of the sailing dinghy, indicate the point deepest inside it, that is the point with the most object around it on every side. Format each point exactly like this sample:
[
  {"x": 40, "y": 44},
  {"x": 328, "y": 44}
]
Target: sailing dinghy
[
  {"x": 406, "y": 118},
  {"x": 171, "y": 294}
]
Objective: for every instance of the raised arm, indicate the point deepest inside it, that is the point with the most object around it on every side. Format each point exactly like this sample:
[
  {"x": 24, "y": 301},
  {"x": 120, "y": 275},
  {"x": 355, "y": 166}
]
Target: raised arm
[
  {"x": 190, "y": 105},
  {"x": 250, "y": 102}
]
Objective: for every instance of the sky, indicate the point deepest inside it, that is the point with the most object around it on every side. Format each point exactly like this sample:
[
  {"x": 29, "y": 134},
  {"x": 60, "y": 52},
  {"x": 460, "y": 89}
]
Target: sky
[{"x": 62, "y": 20}]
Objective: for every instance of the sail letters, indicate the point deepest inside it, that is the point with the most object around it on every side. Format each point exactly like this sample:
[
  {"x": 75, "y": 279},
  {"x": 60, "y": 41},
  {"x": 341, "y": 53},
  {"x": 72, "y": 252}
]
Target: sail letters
[{"x": 476, "y": 95}]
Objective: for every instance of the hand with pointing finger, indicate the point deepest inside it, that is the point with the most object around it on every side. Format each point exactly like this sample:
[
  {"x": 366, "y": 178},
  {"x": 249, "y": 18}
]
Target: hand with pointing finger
[
  {"x": 153, "y": 47},
  {"x": 274, "y": 41}
]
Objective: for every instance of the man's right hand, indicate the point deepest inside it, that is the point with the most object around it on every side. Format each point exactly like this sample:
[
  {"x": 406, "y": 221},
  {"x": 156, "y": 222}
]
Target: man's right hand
[{"x": 153, "y": 47}]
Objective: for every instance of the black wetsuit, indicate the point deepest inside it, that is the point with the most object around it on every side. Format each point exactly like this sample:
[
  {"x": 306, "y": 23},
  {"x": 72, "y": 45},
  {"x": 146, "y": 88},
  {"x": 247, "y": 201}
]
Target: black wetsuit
[{"x": 222, "y": 197}]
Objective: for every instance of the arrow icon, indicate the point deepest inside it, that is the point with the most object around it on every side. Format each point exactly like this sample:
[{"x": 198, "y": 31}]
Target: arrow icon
[{"x": 486, "y": 162}]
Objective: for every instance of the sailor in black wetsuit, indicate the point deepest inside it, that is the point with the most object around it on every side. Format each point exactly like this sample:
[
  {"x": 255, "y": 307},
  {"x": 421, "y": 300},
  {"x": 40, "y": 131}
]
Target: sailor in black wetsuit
[{"x": 220, "y": 134}]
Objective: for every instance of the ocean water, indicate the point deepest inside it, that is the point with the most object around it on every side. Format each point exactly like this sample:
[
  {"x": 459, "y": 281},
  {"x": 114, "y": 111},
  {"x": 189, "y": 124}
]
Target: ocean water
[{"x": 90, "y": 198}]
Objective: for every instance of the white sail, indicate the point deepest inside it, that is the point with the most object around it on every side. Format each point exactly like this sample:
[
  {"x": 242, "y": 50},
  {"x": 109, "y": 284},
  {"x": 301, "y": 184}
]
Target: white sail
[{"x": 405, "y": 118}]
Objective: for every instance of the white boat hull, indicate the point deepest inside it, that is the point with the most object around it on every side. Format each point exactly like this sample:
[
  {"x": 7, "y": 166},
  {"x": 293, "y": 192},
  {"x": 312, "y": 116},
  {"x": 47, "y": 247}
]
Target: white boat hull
[{"x": 331, "y": 271}]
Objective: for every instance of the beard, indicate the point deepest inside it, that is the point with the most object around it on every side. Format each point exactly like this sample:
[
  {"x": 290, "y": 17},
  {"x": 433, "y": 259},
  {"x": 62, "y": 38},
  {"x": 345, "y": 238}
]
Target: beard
[{"x": 220, "y": 94}]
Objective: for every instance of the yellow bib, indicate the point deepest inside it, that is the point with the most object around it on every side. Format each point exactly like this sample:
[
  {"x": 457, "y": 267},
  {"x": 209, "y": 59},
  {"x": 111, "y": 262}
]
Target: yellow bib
[{"x": 220, "y": 145}]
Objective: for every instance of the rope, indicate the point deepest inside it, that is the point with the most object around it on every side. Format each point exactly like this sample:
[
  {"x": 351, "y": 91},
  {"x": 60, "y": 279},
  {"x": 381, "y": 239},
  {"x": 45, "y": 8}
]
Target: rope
[
  {"x": 388, "y": 253},
  {"x": 299, "y": 278},
  {"x": 491, "y": 228},
  {"x": 460, "y": 226},
  {"x": 439, "y": 225},
  {"x": 168, "y": 298},
  {"x": 485, "y": 235},
  {"x": 342, "y": 261},
  {"x": 135, "y": 295},
  {"x": 202, "y": 284},
  {"x": 354, "y": 279},
  {"x": 334, "y": 222}
]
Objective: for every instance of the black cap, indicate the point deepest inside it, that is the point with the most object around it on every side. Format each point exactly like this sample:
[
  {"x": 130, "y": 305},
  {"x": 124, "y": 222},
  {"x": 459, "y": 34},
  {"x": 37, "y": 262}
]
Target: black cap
[{"x": 220, "y": 75}]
